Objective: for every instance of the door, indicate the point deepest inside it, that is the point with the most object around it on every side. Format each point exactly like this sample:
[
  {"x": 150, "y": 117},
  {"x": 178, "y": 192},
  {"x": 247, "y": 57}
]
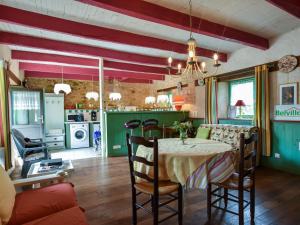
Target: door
[{"x": 27, "y": 112}]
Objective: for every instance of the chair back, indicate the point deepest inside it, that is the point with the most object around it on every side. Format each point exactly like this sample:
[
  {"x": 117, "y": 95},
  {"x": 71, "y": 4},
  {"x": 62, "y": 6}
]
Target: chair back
[
  {"x": 137, "y": 159},
  {"x": 247, "y": 156},
  {"x": 150, "y": 131}
]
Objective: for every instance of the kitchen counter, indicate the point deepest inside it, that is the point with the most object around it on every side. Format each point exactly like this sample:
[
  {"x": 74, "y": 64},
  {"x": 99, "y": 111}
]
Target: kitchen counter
[{"x": 69, "y": 122}]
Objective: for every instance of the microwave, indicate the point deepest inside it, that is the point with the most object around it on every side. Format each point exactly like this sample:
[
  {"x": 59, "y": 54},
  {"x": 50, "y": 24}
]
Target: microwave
[{"x": 75, "y": 118}]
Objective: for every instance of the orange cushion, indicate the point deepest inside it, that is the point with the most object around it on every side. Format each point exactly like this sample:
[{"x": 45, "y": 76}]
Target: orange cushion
[
  {"x": 72, "y": 216},
  {"x": 37, "y": 203}
]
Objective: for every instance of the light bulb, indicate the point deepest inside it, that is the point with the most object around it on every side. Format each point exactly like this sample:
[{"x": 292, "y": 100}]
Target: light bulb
[
  {"x": 203, "y": 64},
  {"x": 170, "y": 60},
  {"x": 179, "y": 67},
  {"x": 191, "y": 54},
  {"x": 216, "y": 57}
]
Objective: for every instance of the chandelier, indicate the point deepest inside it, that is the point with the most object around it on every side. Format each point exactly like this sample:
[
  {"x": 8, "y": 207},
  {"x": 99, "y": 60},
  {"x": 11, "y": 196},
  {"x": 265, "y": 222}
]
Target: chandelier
[
  {"x": 114, "y": 95},
  {"x": 92, "y": 94},
  {"x": 66, "y": 88},
  {"x": 195, "y": 69},
  {"x": 150, "y": 99}
]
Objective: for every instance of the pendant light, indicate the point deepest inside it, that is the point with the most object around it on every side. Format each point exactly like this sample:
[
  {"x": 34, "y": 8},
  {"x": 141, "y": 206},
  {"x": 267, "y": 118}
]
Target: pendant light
[
  {"x": 150, "y": 100},
  {"x": 66, "y": 88},
  {"x": 92, "y": 94},
  {"x": 114, "y": 95}
]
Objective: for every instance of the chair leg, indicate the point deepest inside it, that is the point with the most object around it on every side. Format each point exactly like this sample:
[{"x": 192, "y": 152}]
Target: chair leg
[
  {"x": 241, "y": 206},
  {"x": 209, "y": 203},
  {"x": 225, "y": 197},
  {"x": 252, "y": 205},
  {"x": 134, "y": 209},
  {"x": 180, "y": 205},
  {"x": 155, "y": 210}
]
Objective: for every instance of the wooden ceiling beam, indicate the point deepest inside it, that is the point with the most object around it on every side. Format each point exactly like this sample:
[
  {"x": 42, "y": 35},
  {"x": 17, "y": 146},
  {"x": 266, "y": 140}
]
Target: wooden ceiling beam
[
  {"x": 46, "y": 68},
  {"x": 290, "y": 6},
  {"x": 63, "y": 46},
  {"x": 40, "y": 21},
  {"x": 162, "y": 15},
  {"x": 108, "y": 64}
]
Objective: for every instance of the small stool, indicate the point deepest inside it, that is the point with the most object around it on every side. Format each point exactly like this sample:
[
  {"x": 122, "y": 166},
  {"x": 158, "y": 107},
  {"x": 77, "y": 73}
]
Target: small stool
[{"x": 131, "y": 125}]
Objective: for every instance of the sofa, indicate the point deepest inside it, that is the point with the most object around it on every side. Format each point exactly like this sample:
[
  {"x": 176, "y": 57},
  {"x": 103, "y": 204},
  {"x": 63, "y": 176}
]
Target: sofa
[
  {"x": 229, "y": 134},
  {"x": 50, "y": 205},
  {"x": 30, "y": 150}
]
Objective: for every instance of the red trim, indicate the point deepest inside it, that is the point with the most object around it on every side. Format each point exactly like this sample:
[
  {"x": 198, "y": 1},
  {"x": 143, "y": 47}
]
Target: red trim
[
  {"x": 158, "y": 14},
  {"x": 126, "y": 74},
  {"x": 35, "y": 42},
  {"x": 36, "y": 20},
  {"x": 44, "y": 57},
  {"x": 290, "y": 6}
]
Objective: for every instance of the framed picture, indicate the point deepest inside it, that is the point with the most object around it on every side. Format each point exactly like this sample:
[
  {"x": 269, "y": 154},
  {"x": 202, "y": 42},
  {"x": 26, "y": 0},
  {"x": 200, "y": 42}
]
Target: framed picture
[{"x": 289, "y": 94}]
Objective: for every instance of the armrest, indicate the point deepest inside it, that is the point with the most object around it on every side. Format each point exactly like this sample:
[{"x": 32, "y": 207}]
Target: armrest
[
  {"x": 40, "y": 179},
  {"x": 33, "y": 150},
  {"x": 39, "y": 140}
]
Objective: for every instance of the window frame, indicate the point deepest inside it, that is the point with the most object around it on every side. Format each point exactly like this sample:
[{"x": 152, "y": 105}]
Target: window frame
[{"x": 242, "y": 81}]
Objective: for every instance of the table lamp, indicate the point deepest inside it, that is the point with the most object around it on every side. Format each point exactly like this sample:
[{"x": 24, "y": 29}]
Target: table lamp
[{"x": 240, "y": 103}]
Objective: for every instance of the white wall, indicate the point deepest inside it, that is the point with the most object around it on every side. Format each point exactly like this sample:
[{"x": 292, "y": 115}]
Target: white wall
[{"x": 5, "y": 53}]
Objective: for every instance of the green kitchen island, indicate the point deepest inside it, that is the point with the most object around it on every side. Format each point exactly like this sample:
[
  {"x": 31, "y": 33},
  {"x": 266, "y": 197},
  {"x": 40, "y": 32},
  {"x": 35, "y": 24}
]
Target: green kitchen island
[{"x": 115, "y": 140}]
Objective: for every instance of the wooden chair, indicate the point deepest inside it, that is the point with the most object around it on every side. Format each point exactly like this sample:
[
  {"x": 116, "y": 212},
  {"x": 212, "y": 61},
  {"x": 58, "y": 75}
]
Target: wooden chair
[
  {"x": 151, "y": 185},
  {"x": 243, "y": 180},
  {"x": 150, "y": 129},
  {"x": 170, "y": 132}
]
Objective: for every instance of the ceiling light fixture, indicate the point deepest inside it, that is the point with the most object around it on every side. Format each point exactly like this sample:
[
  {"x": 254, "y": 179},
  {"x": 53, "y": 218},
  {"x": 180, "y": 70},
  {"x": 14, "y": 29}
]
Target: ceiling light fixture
[
  {"x": 194, "y": 68},
  {"x": 92, "y": 94},
  {"x": 115, "y": 95},
  {"x": 66, "y": 88}
]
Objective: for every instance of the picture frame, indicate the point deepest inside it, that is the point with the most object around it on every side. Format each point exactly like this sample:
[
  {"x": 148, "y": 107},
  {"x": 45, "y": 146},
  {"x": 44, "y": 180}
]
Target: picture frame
[{"x": 289, "y": 94}]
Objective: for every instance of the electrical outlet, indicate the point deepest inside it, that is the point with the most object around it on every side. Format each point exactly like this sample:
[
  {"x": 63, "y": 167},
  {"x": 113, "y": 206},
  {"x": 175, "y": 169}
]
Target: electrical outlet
[
  {"x": 277, "y": 155},
  {"x": 116, "y": 147}
]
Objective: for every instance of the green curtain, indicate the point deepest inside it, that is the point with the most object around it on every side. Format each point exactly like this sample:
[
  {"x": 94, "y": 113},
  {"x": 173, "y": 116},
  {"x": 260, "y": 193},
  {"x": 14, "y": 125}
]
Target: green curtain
[
  {"x": 211, "y": 100},
  {"x": 263, "y": 109},
  {"x": 4, "y": 110}
]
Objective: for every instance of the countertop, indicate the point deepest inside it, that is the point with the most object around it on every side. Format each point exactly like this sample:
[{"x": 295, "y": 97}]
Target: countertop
[{"x": 69, "y": 122}]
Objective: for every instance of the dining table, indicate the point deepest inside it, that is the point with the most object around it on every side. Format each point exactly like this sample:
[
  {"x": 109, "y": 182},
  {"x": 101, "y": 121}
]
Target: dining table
[{"x": 193, "y": 163}]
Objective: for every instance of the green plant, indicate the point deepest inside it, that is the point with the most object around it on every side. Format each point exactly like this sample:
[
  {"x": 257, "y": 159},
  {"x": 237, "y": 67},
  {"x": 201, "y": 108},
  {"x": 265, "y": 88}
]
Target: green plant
[{"x": 182, "y": 128}]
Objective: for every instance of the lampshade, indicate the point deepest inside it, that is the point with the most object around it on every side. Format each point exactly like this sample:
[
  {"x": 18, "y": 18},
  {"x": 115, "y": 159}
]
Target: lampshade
[
  {"x": 92, "y": 95},
  {"x": 115, "y": 96},
  {"x": 178, "y": 101},
  {"x": 240, "y": 103},
  {"x": 162, "y": 99},
  {"x": 150, "y": 100},
  {"x": 62, "y": 87}
]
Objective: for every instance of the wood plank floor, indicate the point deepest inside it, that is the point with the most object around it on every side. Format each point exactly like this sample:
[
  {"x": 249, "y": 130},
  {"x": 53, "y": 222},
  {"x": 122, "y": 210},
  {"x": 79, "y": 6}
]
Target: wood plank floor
[{"x": 103, "y": 190}]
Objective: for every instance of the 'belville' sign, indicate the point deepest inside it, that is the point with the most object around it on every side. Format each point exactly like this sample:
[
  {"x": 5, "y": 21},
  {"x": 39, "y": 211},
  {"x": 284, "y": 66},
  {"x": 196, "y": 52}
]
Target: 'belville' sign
[{"x": 287, "y": 112}]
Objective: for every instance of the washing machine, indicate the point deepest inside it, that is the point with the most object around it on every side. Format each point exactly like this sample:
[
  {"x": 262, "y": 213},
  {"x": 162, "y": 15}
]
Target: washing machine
[{"x": 79, "y": 135}]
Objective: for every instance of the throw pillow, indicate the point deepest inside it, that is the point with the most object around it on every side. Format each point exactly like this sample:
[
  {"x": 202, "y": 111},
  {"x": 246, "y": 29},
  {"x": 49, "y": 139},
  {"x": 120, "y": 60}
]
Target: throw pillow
[{"x": 203, "y": 133}]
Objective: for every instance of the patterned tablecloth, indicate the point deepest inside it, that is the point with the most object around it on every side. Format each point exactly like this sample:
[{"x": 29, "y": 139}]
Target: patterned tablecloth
[{"x": 192, "y": 164}]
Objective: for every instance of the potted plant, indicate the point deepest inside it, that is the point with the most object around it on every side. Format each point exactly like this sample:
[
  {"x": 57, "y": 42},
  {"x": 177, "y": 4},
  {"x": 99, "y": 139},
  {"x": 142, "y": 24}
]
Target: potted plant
[{"x": 182, "y": 128}]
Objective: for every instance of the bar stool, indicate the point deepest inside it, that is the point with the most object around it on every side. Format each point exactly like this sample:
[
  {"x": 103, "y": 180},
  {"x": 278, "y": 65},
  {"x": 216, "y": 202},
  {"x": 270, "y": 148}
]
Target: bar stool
[{"x": 131, "y": 125}]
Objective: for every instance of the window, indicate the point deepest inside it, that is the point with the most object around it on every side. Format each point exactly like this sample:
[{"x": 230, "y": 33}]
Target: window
[{"x": 242, "y": 90}]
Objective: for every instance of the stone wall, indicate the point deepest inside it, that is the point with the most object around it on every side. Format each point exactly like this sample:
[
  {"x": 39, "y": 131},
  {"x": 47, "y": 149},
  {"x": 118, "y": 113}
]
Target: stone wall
[{"x": 133, "y": 94}]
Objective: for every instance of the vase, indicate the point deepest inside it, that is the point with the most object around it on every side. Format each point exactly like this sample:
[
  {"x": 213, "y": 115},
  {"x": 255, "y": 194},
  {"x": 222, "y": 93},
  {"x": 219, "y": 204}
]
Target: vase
[{"x": 183, "y": 136}]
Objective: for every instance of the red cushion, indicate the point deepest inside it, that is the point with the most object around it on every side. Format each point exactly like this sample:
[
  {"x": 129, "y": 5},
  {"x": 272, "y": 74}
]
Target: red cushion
[
  {"x": 37, "y": 203},
  {"x": 72, "y": 216}
]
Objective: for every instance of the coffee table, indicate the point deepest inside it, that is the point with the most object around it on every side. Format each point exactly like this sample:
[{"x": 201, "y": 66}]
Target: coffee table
[{"x": 66, "y": 167}]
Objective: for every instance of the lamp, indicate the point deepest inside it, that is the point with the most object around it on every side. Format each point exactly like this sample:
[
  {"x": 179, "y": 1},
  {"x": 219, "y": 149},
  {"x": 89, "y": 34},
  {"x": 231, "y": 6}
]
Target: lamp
[
  {"x": 61, "y": 86},
  {"x": 92, "y": 94},
  {"x": 240, "y": 103},
  {"x": 150, "y": 100},
  {"x": 114, "y": 95},
  {"x": 178, "y": 101},
  {"x": 162, "y": 99}
]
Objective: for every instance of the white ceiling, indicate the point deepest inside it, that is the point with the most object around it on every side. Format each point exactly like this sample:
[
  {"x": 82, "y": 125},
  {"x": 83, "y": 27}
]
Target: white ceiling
[{"x": 254, "y": 16}]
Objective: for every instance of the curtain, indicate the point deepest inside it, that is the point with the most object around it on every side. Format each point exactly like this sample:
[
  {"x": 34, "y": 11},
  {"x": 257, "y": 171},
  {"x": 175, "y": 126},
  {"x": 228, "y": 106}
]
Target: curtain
[
  {"x": 4, "y": 120},
  {"x": 263, "y": 108},
  {"x": 211, "y": 101}
]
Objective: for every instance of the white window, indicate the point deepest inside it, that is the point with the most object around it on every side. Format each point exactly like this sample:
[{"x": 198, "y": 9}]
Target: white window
[{"x": 242, "y": 90}]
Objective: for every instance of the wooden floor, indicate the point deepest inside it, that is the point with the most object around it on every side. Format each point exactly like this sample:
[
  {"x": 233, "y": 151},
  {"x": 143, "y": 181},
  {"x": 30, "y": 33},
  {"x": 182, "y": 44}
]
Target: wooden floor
[{"x": 103, "y": 190}]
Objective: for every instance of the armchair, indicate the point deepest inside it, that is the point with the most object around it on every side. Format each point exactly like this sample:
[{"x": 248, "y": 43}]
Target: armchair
[{"x": 30, "y": 150}]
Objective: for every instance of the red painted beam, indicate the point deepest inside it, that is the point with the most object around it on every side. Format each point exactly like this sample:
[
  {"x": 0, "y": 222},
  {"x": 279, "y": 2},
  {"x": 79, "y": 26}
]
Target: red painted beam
[
  {"x": 35, "y": 20},
  {"x": 158, "y": 14},
  {"x": 46, "y": 68},
  {"x": 44, "y": 57},
  {"x": 43, "y": 75},
  {"x": 62, "y": 46},
  {"x": 290, "y": 6}
]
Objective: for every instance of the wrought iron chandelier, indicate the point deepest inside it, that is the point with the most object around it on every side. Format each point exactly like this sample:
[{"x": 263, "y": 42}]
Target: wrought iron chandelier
[{"x": 195, "y": 69}]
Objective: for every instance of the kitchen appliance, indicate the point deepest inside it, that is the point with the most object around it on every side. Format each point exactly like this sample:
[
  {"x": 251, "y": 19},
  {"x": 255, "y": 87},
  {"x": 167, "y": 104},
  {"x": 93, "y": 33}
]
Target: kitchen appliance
[
  {"x": 75, "y": 118},
  {"x": 79, "y": 135},
  {"x": 94, "y": 116}
]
